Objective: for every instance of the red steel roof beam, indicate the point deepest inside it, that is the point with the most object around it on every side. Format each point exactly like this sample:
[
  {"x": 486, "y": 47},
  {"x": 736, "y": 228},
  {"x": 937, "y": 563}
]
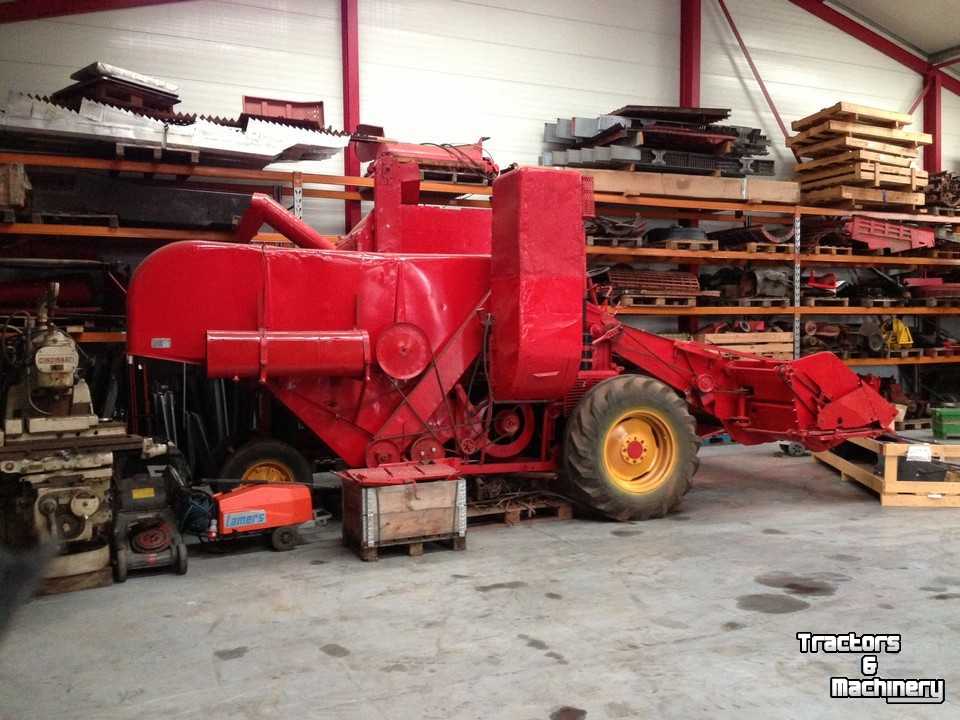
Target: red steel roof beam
[
  {"x": 22, "y": 10},
  {"x": 350, "y": 53},
  {"x": 690, "y": 53}
]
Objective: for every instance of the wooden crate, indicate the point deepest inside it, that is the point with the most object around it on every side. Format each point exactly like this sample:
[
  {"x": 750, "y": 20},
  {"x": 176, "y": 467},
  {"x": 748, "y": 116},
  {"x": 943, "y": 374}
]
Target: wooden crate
[
  {"x": 864, "y": 173},
  {"x": 835, "y": 145},
  {"x": 844, "y": 194},
  {"x": 831, "y": 128},
  {"x": 778, "y": 345},
  {"x": 410, "y": 515},
  {"x": 844, "y": 156},
  {"x": 892, "y": 491}
]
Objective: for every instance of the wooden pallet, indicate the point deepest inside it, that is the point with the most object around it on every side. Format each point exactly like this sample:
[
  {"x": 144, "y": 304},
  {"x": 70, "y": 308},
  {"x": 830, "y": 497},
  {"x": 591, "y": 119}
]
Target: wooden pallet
[
  {"x": 938, "y": 352},
  {"x": 881, "y": 302},
  {"x": 822, "y": 301},
  {"x": 935, "y": 302},
  {"x": 858, "y": 196},
  {"x": 943, "y": 211},
  {"x": 777, "y": 345},
  {"x": 914, "y": 424},
  {"x": 829, "y": 129},
  {"x": 612, "y": 242},
  {"x": 904, "y": 353},
  {"x": 869, "y": 174},
  {"x": 72, "y": 583},
  {"x": 765, "y": 247},
  {"x": 831, "y": 250},
  {"x": 852, "y": 112},
  {"x": 761, "y": 302},
  {"x": 851, "y": 156},
  {"x": 414, "y": 547},
  {"x": 692, "y": 245},
  {"x": 839, "y": 144},
  {"x": 892, "y": 491},
  {"x": 942, "y": 254},
  {"x": 630, "y": 300},
  {"x": 512, "y": 512}
]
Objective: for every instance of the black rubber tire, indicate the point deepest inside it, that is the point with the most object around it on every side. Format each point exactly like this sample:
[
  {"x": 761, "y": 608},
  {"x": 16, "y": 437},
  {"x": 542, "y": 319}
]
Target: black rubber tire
[
  {"x": 120, "y": 565},
  {"x": 259, "y": 450},
  {"x": 182, "y": 558},
  {"x": 584, "y": 472},
  {"x": 283, "y": 539}
]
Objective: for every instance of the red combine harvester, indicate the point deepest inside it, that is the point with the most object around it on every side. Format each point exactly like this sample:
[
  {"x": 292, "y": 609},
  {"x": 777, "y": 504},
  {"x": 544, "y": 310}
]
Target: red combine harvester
[{"x": 467, "y": 338}]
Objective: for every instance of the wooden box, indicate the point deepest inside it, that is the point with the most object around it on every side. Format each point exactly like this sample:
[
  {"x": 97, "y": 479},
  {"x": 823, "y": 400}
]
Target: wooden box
[
  {"x": 749, "y": 189},
  {"x": 886, "y": 483},
  {"x": 777, "y": 345},
  {"x": 409, "y": 514}
]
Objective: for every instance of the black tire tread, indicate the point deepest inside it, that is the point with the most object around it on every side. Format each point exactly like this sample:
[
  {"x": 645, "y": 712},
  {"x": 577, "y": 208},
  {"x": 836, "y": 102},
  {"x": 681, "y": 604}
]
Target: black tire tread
[{"x": 263, "y": 449}]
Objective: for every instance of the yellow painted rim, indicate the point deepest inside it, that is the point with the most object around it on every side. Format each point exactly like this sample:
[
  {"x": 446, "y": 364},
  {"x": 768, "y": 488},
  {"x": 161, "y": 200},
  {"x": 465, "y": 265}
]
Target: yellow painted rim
[
  {"x": 270, "y": 471},
  {"x": 640, "y": 450}
]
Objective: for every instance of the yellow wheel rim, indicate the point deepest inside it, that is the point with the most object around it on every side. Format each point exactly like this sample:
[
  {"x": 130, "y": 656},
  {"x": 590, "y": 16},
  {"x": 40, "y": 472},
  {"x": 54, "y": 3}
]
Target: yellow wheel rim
[
  {"x": 270, "y": 471},
  {"x": 640, "y": 451}
]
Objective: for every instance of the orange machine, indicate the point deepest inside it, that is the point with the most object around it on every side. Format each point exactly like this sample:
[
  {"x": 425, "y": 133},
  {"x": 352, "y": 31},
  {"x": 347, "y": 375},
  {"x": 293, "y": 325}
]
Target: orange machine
[{"x": 274, "y": 508}]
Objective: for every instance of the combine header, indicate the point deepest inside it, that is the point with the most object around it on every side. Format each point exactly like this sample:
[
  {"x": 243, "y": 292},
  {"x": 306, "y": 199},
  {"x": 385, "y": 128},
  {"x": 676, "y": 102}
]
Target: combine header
[{"x": 467, "y": 337}]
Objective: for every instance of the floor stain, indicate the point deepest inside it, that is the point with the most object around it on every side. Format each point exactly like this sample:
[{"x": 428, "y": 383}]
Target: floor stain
[
  {"x": 553, "y": 596},
  {"x": 841, "y": 557},
  {"x": 457, "y": 576},
  {"x": 731, "y": 625},
  {"x": 679, "y": 517},
  {"x": 568, "y": 713},
  {"x": 773, "y": 531},
  {"x": 933, "y": 588},
  {"x": 394, "y": 667},
  {"x": 885, "y": 606},
  {"x": 319, "y": 562},
  {"x": 771, "y": 604},
  {"x": 626, "y": 533},
  {"x": 558, "y": 657},
  {"x": 621, "y": 710},
  {"x": 231, "y": 653},
  {"x": 533, "y": 642},
  {"x": 816, "y": 585},
  {"x": 511, "y": 585},
  {"x": 334, "y": 650},
  {"x": 947, "y": 580},
  {"x": 946, "y": 596}
]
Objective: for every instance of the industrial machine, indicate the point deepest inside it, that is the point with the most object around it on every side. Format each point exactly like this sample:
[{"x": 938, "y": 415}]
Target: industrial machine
[
  {"x": 471, "y": 337},
  {"x": 57, "y": 459}
]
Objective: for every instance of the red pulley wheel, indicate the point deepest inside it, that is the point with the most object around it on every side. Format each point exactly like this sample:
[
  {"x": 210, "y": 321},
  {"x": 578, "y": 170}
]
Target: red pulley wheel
[
  {"x": 152, "y": 539},
  {"x": 403, "y": 351}
]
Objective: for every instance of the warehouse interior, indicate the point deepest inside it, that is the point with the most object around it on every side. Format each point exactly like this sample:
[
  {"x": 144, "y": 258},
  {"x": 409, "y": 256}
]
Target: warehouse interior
[{"x": 475, "y": 359}]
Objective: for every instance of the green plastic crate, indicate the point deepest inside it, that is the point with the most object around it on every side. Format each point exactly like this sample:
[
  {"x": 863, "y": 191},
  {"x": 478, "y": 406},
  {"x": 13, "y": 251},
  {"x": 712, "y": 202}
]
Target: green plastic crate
[{"x": 946, "y": 422}]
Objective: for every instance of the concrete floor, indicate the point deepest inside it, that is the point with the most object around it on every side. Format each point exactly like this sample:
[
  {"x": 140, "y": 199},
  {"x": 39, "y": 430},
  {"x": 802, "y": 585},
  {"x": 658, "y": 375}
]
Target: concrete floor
[{"x": 678, "y": 618}]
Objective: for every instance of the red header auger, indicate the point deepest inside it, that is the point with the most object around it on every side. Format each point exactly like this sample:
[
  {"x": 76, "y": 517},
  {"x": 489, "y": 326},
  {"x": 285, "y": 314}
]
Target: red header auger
[{"x": 465, "y": 337}]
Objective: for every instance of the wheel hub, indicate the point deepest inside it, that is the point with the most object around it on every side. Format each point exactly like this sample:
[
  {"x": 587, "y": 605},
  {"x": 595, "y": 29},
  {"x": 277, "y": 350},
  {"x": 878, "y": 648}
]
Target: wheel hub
[
  {"x": 268, "y": 471},
  {"x": 640, "y": 450}
]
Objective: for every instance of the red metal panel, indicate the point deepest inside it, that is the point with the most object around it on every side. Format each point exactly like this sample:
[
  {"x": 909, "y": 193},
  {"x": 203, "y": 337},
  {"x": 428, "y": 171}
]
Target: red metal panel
[
  {"x": 350, "y": 59},
  {"x": 690, "y": 16},
  {"x": 250, "y": 353},
  {"x": 537, "y": 283},
  {"x": 933, "y": 124},
  {"x": 21, "y": 10}
]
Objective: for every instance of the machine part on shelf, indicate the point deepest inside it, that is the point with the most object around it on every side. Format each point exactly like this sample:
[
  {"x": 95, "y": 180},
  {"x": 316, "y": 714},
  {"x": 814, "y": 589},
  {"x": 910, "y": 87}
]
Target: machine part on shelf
[
  {"x": 943, "y": 190},
  {"x": 433, "y": 161},
  {"x": 740, "y": 236},
  {"x": 607, "y": 228},
  {"x": 896, "y": 335},
  {"x": 627, "y": 281},
  {"x": 871, "y": 330},
  {"x": 884, "y": 235},
  {"x": 765, "y": 283},
  {"x": 513, "y": 326},
  {"x": 641, "y": 158},
  {"x": 14, "y": 185}
]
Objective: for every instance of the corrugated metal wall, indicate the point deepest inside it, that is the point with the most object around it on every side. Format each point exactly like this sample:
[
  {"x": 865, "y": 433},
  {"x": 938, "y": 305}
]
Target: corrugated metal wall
[{"x": 452, "y": 70}]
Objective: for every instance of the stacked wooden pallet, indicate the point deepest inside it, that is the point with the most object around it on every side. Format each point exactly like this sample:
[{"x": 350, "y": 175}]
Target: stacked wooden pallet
[
  {"x": 859, "y": 156},
  {"x": 778, "y": 345}
]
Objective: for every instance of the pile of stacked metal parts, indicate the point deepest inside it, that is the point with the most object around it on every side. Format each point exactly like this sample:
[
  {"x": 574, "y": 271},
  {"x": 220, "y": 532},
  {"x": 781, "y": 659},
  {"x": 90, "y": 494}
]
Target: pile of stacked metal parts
[
  {"x": 859, "y": 156},
  {"x": 943, "y": 192},
  {"x": 626, "y": 286},
  {"x": 665, "y": 139},
  {"x": 118, "y": 114},
  {"x": 116, "y": 110}
]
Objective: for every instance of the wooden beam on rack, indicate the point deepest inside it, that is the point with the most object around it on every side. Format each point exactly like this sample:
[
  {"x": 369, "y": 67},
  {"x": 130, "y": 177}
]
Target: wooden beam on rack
[
  {"x": 746, "y": 310},
  {"x": 129, "y": 233},
  {"x": 924, "y": 360}
]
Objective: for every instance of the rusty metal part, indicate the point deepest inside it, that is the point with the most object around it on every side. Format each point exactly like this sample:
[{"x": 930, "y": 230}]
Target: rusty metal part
[
  {"x": 152, "y": 539},
  {"x": 943, "y": 190}
]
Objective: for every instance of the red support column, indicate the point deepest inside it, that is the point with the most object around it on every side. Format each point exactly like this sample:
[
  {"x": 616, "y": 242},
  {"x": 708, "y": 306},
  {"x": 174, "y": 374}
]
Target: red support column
[
  {"x": 933, "y": 124},
  {"x": 350, "y": 52},
  {"x": 690, "y": 53}
]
